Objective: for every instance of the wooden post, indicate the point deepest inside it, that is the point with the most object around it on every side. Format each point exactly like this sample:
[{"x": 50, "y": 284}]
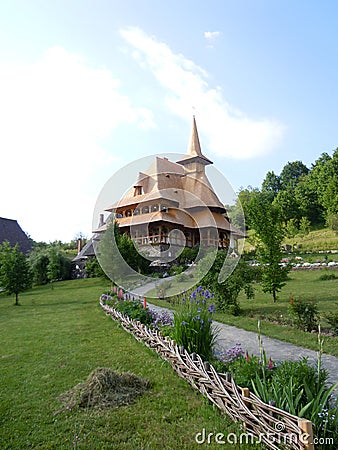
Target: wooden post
[
  {"x": 307, "y": 435},
  {"x": 245, "y": 394},
  {"x": 144, "y": 302}
]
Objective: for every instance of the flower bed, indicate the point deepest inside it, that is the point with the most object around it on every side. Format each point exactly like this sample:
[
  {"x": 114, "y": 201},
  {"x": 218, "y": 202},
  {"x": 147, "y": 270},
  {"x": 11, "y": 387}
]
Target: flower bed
[{"x": 271, "y": 425}]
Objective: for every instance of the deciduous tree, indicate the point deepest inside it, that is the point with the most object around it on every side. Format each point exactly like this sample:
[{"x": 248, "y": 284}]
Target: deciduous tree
[
  {"x": 266, "y": 221},
  {"x": 226, "y": 289},
  {"x": 15, "y": 276}
]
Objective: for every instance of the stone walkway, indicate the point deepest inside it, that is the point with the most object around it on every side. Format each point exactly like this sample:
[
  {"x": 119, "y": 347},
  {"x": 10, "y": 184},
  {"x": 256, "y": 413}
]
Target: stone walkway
[{"x": 229, "y": 336}]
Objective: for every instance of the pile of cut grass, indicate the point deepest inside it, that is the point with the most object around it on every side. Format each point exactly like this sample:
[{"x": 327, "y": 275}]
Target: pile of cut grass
[{"x": 105, "y": 388}]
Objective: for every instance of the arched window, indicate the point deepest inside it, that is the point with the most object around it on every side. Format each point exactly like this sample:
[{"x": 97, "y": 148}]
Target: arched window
[{"x": 145, "y": 209}]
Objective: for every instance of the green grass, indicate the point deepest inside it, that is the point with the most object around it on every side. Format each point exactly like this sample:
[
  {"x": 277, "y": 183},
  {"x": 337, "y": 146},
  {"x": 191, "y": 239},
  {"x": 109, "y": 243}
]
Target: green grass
[
  {"x": 304, "y": 284},
  {"x": 52, "y": 342},
  {"x": 323, "y": 239}
]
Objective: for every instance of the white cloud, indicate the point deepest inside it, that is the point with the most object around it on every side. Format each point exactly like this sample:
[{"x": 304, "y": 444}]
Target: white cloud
[
  {"x": 55, "y": 115},
  {"x": 229, "y": 132},
  {"x": 211, "y": 35}
]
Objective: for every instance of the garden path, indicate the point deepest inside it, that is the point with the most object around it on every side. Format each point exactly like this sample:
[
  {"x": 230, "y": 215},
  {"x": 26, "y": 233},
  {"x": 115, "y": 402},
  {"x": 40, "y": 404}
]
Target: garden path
[{"x": 229, "y": 336}]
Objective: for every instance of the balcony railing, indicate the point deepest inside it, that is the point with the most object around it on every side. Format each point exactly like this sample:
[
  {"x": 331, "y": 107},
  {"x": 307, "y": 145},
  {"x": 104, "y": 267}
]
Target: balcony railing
[{"x": 172, "y": 240}]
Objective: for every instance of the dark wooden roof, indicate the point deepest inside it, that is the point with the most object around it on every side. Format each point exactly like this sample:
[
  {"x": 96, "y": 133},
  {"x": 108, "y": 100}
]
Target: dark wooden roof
[
  {"x": 87, "y": 251},
  {"x": 11, "y": 231}
]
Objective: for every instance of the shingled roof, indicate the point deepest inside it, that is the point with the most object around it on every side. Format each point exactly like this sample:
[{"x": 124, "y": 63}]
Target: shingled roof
[{"x": 11, "y": 231}]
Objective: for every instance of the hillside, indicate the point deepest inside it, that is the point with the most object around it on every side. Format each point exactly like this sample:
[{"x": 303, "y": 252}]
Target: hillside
[{"x": 323, "y": 240}]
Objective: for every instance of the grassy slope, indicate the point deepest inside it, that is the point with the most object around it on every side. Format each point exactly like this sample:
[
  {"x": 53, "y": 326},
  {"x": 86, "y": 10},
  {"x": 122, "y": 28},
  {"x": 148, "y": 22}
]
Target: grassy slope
[
  {"x": 317, "y": 240},
  {"x": 51, "y": 343},
  {"x": 304, "y": 284},
  {"x": 324, "y": 239}
]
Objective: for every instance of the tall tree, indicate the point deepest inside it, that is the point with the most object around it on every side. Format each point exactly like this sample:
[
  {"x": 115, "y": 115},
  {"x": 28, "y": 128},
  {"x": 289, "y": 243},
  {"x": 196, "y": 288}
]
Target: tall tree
[
  {"x": 238, "y": 213},
  {"x": 287, "y": 204},
  {"x": 15, "y": 276},
  {"x": 266, "y": 221},
  {"x": 292, "y": 173},
  {"x": 306, "y": 197},
  {"x": 271, "y": 184}
]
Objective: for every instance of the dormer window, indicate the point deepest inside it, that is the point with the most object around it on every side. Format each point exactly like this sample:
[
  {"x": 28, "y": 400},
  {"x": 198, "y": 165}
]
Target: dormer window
[{"x": 138, "y": 190}]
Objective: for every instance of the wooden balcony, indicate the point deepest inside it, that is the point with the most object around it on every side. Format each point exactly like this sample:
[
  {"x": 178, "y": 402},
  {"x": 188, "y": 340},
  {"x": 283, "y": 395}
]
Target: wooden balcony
[{"x": 174, "y": 240}]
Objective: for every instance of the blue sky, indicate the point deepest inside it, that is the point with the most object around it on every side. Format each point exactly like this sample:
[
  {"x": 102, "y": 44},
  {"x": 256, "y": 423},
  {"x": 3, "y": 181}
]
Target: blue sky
[{"x": 89, "y": 86}]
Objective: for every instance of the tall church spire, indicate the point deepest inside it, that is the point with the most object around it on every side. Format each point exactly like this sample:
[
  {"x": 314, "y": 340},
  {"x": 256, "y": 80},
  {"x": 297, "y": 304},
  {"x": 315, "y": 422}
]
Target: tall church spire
[{"x": 194, "y": 149}]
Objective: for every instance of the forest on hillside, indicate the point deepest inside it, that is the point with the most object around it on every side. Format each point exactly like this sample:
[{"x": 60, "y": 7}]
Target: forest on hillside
[{"x": 306, "y": 197}]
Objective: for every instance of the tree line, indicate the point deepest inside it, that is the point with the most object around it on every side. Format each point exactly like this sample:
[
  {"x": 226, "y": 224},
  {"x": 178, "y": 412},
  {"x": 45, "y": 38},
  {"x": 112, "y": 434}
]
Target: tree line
[
  {"x": 45, "y": 264},
  {"x": 306, "y": 197}
]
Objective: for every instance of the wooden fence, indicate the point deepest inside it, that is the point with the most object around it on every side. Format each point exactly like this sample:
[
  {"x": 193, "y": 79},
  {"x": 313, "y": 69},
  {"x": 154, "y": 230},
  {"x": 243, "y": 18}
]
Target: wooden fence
[{"x": 267, "y": 424}]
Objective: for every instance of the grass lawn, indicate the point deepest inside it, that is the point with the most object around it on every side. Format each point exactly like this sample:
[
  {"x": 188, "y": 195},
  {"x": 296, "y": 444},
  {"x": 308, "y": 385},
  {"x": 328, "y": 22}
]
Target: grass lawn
[
  {"x": 52, "y": 342},
  {"x": 304, "y": 284}
]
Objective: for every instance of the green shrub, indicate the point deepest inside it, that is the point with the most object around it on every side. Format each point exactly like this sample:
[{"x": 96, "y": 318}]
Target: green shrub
[
  {"x": 93, "y": 269},
  {"x": 162, "y": 288},
  {"x": 302, "y": 390},
  {"x": 302, "y": 374},
  {"x": 176, "y": 270},
  {"x": 305, "y": 313},
  {"x": 332, "y": 318},
  {"x": 245, "y": 369},
  {"x": 328, "y": 276},
  {"x": 182, "y": 277},
  {"x": 135, "y": 310}
]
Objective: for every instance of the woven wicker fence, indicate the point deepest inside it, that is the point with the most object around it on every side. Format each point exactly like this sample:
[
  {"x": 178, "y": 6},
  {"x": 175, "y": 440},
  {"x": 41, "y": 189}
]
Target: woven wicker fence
[{"x": 270, "y": 425}]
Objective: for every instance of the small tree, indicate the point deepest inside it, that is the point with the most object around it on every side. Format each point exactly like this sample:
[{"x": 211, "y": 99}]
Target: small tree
[
  {"x": 117, "y": 254},
  {"x": 227, "y": 291},
  {"x": 265, "y": 219},
  {"x": 332, "y": 221},
  {"x": 304, "y": 226},
  {"x": 15, "y": 276},
  {"x": 291, "y": 228}
]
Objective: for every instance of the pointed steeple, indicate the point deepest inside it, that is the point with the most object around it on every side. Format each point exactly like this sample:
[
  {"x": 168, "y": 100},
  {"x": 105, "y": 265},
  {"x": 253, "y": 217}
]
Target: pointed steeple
[{"x": 194, "y": 149}]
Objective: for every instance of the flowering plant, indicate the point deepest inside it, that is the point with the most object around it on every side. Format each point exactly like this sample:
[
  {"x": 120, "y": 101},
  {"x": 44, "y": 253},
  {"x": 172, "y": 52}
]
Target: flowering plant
[
  {"x": 193, "y": 323},
  {"x": 161, "y": 321},
  {"x": 229, "y": 355}
]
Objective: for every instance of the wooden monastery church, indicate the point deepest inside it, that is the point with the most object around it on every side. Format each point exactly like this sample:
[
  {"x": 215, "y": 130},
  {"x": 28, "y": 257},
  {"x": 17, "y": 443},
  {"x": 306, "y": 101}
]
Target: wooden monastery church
[{"x": 173, "y": 205}]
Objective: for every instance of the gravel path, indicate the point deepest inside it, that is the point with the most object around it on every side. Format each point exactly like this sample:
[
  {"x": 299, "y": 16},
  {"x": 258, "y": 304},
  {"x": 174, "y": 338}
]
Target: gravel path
[{"x": 279, "y": 350}]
